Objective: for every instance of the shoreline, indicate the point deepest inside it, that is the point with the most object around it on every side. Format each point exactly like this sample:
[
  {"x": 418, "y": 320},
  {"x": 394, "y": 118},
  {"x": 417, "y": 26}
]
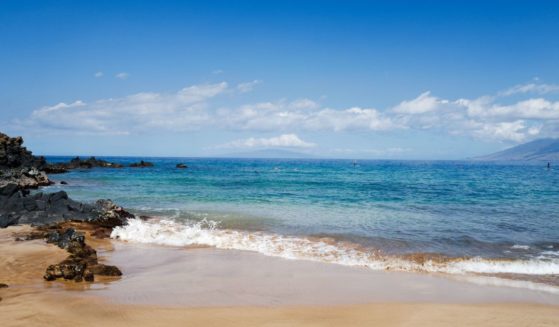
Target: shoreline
[{"x": 231, "y": 288}]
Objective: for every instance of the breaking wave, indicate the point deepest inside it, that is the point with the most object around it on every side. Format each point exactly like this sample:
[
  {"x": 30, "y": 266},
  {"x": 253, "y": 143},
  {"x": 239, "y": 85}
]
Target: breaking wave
[{"x": 207, "y": 233}]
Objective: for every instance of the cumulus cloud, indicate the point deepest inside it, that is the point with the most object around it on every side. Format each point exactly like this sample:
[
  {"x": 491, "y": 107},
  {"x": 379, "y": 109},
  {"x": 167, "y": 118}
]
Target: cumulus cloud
[
  {"x": 179, "y": 111},
  {"x": 282, "y": 141},
  {"x": 512, "y": 115},
  {"x": 302, "y": 114},
  {"x": 122, "y": 75},
  {"x": 98, "y": 74}
]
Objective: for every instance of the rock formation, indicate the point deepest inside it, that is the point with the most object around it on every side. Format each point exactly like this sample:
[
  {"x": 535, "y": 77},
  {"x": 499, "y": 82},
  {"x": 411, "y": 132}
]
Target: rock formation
[
  {"x": 51, "y": 212},
  {"x": 14, "y": 155},
  {"x": 18, "y": 207},
  {"x": 141, "y": 164},
  {"x": 78, "y": 163},
  {"x": 18, "y": 165},
  {"x": 81, "y": 264}
]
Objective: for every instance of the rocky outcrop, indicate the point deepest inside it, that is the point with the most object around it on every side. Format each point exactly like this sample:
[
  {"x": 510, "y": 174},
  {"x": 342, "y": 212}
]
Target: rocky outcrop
[
  {"x": 19, "y": 207},
  {"x": 181, "y": 166},
  {"x": 18, "y": 165},
  {"x": 78, "y": 163},
  {"x": 51, "y": 212},
  {"x": 24, "y": 177},
  {"x": 141, "y": 164},
  {"x": 81, "y": 264},
  {"x": 14, "y": 155}
]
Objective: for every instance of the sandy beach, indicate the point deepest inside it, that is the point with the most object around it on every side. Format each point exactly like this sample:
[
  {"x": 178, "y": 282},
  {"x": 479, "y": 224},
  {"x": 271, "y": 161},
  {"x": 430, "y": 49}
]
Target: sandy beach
[{"x": 204, "y": 286}]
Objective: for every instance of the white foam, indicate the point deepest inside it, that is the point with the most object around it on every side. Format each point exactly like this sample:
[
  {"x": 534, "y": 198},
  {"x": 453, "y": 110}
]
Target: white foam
[
  {"x": 520, "y": 247},
  {"x": 168, "y": 232}
]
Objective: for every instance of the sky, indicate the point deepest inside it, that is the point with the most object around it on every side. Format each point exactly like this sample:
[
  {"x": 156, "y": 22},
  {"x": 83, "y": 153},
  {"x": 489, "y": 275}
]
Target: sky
[{"x": 332, "y": 79}]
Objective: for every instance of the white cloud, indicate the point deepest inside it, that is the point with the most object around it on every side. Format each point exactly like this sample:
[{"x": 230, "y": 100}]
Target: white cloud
[
  {"x": 282, "y": 141},
  {"x": 302, "y": 115},
  {"x": 530, "y": 88},
  {"x": 122, "y": 75},
  {"x": 535, "y": 108},
  {"x": 217, "y": 72},
  {"x": 248, "y": 86},
  {"x": 179, "y": 111},
  {"x": 488, "y": 117},
  {"x": 98, "y": 74},
  {"x": 422, "y": 104},
  {"x": 514, "y": 131}
]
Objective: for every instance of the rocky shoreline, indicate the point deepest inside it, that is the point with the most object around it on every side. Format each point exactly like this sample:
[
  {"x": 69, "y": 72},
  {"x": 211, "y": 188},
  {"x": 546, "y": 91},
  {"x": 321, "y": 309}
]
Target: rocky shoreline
[{"x": 57, "y": 218}]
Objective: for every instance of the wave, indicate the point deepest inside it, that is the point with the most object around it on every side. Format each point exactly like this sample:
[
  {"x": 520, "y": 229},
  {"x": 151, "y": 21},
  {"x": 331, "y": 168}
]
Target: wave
[{"x": 207, "y": 233}]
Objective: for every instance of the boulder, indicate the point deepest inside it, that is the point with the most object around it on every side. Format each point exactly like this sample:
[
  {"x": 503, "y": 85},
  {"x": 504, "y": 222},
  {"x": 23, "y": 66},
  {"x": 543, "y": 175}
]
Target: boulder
[
  {"x": 105, "y": 270},
  {"x": 181, "y": 166}
]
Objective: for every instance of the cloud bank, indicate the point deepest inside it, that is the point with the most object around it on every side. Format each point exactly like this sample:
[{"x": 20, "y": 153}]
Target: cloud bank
[
  {"x": 517, "y": 114},
  {"x": 282, "y": 141}
]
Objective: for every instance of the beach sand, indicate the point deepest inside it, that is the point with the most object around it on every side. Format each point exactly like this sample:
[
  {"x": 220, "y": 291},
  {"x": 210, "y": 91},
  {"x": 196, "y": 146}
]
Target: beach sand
[{"x": 165, "y": 286}]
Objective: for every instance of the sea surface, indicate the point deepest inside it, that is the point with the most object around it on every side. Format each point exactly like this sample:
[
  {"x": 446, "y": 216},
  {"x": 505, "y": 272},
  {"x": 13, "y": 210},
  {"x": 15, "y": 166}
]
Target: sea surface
[{"x": 456, "y": 217}]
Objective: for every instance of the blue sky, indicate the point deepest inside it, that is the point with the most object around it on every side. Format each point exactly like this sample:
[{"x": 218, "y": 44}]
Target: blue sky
[{"x": 351, "y": 79}]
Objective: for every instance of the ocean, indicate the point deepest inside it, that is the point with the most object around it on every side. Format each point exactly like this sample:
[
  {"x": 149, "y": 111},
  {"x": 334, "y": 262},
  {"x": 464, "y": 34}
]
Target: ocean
[{"x": 454, "y": 217}]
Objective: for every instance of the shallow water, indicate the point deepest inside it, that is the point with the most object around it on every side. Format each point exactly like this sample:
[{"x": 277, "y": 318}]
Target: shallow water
[{"x": 343, "y": 211}]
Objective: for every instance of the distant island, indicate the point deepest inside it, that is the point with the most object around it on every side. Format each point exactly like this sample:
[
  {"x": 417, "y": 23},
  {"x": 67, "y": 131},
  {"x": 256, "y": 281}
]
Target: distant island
[{"x": 537, "y": 150}]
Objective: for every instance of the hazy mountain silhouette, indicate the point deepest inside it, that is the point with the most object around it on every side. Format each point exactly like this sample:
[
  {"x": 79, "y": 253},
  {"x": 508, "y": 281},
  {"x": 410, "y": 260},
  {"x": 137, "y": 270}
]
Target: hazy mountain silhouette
[{"x": 537, "y": 150}]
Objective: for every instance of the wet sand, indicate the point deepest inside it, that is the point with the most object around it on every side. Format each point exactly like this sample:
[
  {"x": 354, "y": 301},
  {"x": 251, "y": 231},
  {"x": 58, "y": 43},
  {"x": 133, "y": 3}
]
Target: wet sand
[{"x": 208, "y": 287}]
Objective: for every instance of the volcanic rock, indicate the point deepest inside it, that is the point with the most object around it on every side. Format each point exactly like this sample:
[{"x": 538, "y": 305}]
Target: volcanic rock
[
  {"x": 141, "y": 164},
  {"x": 78, "y": 163}
]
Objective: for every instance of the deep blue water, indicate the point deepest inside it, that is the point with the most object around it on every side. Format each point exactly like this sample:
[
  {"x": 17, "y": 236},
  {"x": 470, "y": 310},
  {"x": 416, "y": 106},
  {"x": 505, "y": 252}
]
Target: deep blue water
[{"x": 452, "y": 208}]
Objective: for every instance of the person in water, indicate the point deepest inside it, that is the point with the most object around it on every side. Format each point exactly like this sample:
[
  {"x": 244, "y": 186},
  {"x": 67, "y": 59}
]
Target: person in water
[{"x": 548, "y": 165}]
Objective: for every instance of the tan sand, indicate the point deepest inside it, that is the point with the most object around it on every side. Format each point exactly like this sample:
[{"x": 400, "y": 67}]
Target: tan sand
[{"x": 232, "y": 288}]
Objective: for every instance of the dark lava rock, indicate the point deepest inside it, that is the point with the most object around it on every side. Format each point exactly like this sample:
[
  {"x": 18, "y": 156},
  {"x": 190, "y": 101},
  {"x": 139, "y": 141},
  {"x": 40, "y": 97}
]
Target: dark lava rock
[
  {"x": 14, "y": 155},
  {"x": 141, "y": 164},
  {"x": 18, "y": 207},
  {"x": 63, "y": 183},
  {"x": 81, "y": 264},
  {"x": 105, "y": 270},
  {"x": 102, "y": 232},
  {"x": 111, "y": 215},
  {"x": 55, "y": 169},
  {"x": 18, "y": 165},
  {"x": 181, "y": 166},
  {"x": 78, "y": 163}
]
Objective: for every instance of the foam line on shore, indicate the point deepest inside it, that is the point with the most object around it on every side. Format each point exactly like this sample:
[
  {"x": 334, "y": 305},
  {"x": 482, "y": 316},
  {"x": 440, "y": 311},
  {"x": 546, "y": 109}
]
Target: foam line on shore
[{"x": 206, "y": 233}]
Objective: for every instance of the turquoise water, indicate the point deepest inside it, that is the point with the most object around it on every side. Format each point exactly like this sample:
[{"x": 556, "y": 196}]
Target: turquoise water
[{"x": 456, "y": 209}]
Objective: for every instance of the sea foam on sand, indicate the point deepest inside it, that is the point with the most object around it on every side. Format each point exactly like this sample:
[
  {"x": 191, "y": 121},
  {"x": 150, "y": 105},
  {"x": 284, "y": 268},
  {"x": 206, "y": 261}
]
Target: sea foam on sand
[{"x": 206, "y": 233}]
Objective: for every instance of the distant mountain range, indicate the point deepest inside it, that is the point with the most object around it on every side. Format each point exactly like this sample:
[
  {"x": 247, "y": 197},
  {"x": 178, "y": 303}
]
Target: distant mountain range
[{"x": 538, "y": 150}]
